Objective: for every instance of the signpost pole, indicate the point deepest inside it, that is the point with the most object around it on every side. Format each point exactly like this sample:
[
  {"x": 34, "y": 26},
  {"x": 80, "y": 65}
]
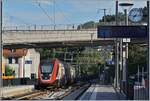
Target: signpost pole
[
  {"x": 125, "y": 59},
  {"x": 148, "y": 70},
  {"x": 117, "y": 52}
]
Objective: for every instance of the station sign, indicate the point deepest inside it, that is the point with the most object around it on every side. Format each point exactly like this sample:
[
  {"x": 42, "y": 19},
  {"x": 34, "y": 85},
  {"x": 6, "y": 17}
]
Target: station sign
[
  {"x": 28, "y": 62},
  {"x": 122, "y": 31}
]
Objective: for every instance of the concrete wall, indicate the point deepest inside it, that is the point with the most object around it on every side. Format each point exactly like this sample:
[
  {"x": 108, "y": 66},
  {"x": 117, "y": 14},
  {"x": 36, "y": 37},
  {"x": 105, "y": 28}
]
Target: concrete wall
[
  {"x": 47, "y": 36},
  {"x": 33, "y": 56}
]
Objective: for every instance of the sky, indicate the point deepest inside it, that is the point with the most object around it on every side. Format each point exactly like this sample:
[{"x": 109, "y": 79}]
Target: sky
[{"x": 43, "y": 12}]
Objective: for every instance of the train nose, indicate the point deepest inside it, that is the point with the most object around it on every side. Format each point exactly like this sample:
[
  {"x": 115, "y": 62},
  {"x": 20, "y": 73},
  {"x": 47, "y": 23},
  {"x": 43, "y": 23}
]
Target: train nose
[{"x": 46, "y": 76}]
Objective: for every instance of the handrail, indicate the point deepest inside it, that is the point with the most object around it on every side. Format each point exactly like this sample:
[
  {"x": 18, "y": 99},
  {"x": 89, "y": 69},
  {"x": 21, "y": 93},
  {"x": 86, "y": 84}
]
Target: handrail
[{"x": 60, "y": 26}]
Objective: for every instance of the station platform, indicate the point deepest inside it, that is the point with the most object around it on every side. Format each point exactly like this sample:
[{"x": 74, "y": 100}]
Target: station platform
[
  {"x": 11, "y": 91},
  {"x": 100, "y": 92}
]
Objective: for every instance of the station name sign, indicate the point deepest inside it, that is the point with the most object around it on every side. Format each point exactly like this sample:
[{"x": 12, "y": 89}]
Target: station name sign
[{"x": 122, "y": 31}]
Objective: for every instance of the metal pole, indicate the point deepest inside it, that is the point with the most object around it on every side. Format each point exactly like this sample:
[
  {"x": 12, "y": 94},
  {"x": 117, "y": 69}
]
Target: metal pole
[
  {"x": 104, "y": 15},
  {"x": 54, "y": 14},
  {"x": 92, "y": 34},
  {"x": 126, "y": 17},
  {"x": 125, "y": 58},
  {"x": 117, "y": 51},
  {"x": 116, "y": 12},
  {"x": 72, "y": 57},
  {"x": 121, "y": 64},
  {"x": 24, "y": 64},
  {"x": 148, "y": 70},
  {"x": 1, "y": 48}
]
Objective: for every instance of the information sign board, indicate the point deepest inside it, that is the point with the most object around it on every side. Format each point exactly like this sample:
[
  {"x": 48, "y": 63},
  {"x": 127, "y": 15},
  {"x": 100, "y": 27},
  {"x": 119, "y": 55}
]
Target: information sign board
[{"x": 122, "y": 31}]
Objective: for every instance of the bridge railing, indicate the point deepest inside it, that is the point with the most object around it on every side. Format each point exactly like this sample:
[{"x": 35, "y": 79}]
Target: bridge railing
[
  {"x": 61, "y": 26},
  {"x": 53, "y": 27},
  {"x": 41, "y": 27}
]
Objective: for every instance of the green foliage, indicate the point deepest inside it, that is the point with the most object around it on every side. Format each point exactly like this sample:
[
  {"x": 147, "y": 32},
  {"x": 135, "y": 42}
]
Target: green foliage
[
  {"x": 137, "y": 57},
  {"x": 9, "y": 71},
  {"x": 145, "y": 14},
  {"x": 111, "y": 18},
  {"x": 46, "y": 53},
  {"x": 87, "y": 25},
  {"x": 91, "y": 60}
]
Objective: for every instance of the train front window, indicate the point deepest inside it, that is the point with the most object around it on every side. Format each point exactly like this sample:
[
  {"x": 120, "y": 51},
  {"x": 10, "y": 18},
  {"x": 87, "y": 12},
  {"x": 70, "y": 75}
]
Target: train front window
[{"x": 47, "y": 68}]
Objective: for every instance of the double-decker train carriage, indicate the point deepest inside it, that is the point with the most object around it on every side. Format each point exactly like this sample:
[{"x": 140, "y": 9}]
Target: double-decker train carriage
[{"x": 55, "y": 73}]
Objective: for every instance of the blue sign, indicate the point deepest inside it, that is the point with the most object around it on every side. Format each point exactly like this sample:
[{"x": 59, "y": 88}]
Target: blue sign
[
  {"x": 28, "y": 62},
  {"x": 122, "y": 31},
  {"x": 110, "y": 62}
]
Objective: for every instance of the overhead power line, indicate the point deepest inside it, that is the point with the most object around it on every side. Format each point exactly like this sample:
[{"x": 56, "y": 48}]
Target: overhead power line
[
  {"x": 45, "y": 12},
  {"x": 11, "y": 17},
  {"x": 61, "y": 11}
]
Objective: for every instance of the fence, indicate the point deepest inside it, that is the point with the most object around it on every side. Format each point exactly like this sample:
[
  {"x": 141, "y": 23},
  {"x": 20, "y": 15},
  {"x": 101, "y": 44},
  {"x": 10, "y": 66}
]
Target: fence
[
  {"x": 140, "y": 93},
  {"x": 63, "y": 26}
]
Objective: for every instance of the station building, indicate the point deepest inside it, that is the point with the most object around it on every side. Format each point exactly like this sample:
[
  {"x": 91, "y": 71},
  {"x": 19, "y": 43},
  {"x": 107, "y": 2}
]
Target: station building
[{"x": 23, "y": 62}]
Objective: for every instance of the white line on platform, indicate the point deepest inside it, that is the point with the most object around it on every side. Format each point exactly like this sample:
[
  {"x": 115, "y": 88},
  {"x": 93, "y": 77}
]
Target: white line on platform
[{"x": 94, "y": 93}]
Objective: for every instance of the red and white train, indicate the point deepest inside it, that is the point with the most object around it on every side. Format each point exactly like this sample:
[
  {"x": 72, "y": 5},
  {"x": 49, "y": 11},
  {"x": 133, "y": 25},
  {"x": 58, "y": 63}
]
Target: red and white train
[{"x": 55, "y": 73}]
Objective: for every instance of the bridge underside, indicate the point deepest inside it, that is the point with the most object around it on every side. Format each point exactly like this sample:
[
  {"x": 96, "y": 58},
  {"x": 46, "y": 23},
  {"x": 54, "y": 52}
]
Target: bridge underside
[
  {"x": 100, "y": 42},
  {"x": 59, "y": 44}
]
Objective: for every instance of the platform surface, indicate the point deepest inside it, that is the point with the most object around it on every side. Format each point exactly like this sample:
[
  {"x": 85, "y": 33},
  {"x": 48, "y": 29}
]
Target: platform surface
[
  {"x": 100, "y": 92},
  {"x": 15, "y": 90}
]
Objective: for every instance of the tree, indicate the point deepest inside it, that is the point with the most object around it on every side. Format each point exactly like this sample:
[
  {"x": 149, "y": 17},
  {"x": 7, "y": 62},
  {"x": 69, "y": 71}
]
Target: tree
[
  {"x": 145, "y": 14},
  {"x": 91, "y": 60},
  {"x": 47, "y": 53},
  {"x": 111, "y": 18},
  {"x": 137, "y": 57},
  {"x": 87, "y": 25}
]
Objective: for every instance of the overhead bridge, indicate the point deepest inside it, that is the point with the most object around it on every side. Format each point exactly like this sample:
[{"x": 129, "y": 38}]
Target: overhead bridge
[
  {"x": 53, "y": 38},
  {"x": 47, "y": 38}
]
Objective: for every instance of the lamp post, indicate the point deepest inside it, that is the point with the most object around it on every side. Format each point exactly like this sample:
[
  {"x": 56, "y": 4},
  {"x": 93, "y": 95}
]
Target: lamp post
[
  {"x": 126, "y": 7},
  {"x": 116, "y": 52},
  {"x": 148, "y": 70}
]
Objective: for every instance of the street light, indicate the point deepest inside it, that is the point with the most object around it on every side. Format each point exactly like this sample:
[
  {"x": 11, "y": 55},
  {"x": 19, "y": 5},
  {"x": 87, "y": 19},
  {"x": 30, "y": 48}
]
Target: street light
[{"x": 126, "y": 7}]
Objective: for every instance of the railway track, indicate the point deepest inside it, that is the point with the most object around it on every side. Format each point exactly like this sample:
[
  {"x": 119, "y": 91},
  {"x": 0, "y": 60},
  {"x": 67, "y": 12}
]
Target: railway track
[
  {"x": 50, "y": 94},
  {"x": 25, "y": 96},
  {"x": 31, "y": 95}
]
